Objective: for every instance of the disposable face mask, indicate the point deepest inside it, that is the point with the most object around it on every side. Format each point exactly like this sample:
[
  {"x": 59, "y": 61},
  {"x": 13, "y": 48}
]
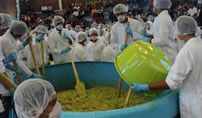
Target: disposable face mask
[
  {"x": 121, "y": 18},
  {"x": 56, "y": 112},
  {"x": 94, "y": 38},
  {"x": 59, "y": 27}
]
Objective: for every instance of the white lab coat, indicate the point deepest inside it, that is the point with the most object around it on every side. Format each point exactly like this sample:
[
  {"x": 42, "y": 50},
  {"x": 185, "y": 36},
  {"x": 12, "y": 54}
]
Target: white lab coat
[
  {"x": 10, "y": 45},
  {"x": 192, "y": 11},
  {"x": 3, "y": 90},
  {"x": 95, "y": 49},
  {"x": 37, "y": 49},
  {"x": 118, "y": 33},
  {"x": 80, "y": 53},
  {"x": 186, "y": 75},
  {"x": 56, "y": 44},
  {"x": 109, "y": 53},
  {"x": 163, "y": 33}
]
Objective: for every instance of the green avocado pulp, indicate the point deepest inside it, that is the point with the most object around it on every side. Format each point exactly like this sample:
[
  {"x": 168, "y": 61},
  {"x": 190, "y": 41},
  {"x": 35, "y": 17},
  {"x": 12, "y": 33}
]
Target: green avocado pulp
[{"x": 100, "y": 98}]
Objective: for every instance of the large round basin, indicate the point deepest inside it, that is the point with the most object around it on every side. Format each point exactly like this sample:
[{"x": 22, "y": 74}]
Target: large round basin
[{"x": 99, "y": 74}]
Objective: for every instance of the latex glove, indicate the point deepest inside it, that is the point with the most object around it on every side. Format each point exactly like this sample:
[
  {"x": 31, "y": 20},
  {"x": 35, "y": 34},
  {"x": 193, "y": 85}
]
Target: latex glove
[
  {"x": 68, "y": 37},
  {"x": 36, "y": 76},
  {"x": 12, "y": 68},
  {"x": 145, "y": 39},
  {"x": 10, "y": 58},
  {"x": 12, "y": 91},
  {"x": 144, "y": 33},
  {"x": 26, "y": 42},
  {"x": 137, "y": 88},
  {"x": 66, "y": 50},
  {"x": 40, "y": 37},
  {"x": 129, "y": 31},
  {"x": 123, "y": 47}
]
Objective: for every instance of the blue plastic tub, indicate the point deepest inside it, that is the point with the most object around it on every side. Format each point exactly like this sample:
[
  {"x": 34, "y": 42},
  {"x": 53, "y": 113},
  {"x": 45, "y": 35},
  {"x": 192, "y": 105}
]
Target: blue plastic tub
[{"x": 99, "y": 74}]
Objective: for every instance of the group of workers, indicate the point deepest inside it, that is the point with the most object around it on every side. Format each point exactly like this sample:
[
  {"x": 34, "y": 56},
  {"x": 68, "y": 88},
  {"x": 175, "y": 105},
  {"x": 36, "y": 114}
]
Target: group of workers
[{"x": 36, "y": 98}]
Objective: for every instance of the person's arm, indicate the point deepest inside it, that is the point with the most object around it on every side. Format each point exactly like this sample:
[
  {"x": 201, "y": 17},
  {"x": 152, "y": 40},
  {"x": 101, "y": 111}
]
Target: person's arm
[
  {"x": 159, "y": 86},
  {"x": 52, "y": 44},
  {"x": 178, "y": 73}
]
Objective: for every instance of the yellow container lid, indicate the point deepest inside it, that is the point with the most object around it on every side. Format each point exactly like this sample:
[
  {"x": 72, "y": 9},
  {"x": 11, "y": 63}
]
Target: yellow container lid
[{"x": 143, "y": 63}]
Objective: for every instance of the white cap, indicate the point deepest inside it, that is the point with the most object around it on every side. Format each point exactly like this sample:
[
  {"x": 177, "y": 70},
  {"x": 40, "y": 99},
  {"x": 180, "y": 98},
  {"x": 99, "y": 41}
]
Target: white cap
[
  {"x": 32, "y": 97},
  {"x": 162, "y": 4},
  {"x": 119, "y": 8}
]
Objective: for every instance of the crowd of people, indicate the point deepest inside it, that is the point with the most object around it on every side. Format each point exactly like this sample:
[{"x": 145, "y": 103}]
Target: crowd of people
[{"x": 98, "y": 41}]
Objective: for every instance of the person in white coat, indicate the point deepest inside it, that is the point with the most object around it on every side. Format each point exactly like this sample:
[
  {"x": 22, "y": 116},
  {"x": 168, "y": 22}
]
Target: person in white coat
[
  {"x": 185, "y": 74},
  {"x": 95, "y": 46},
  {"x": 80, "y": 48},
  {"x": 56, "y": 42},
  {"x": 123, "y": 26},
  {"x": 5, "y": 91},
  {"x": 9, "y": 45},
  {"x": 40, "y": 32},
  {"x": 163, "y": 33},
  {"x": 36, "y": 98}
]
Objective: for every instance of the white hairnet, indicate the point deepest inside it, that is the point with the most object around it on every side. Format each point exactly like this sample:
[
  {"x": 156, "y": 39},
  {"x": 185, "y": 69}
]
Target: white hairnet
[
  {"x": 120, "y": 8},
  {"x": 162, "y": 4},
  {"x": 41, "y": 29},
  {"x": 6, "y": 22},
  {"x": 58, "y": 19},
  {"x": 185, "y": 25},
  {"x": 32, "y": 96},
  {"x": 19, "y": 28},
  {"x": 68, "y": 26},
  {"x": 101, "y": 26},
  {"x": 93, "y": 30},
  {"x": 1, "y": 19},
  {"x": 150, "y": 18},
  {"x": 148, "y": 24},
  {"x": 94, "y": 25},
  {"x": 78, "y": 28},
  {"x": 81, "y": 36}
]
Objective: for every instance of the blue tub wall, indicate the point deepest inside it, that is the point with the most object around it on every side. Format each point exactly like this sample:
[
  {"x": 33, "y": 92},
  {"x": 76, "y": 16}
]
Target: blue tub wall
[{"x": 101, "y": 73}]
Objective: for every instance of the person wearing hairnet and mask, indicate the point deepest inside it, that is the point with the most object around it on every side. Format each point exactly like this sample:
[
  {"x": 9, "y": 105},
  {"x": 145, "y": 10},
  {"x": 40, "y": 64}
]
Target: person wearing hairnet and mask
[
  {"x": 163, "y": 34},
  {"x": 5, "y": 92},
  {"x": 95, "y": 46},
  {"x": 56, "y": 41},
  {"x": 40, "y": 32},
  {"x": 17, "y": 32},
  {"x": 101, "y": 31},
  {"x": 71, "y": 32},
  {"x": 36, "y": 98},
  {"x": 5, "y": 21},
  {"x": 78, "y": 28},
  {"x": 185, "y": 74},
  {"x": 120, "y": 29},
  {"x": 80, "y": 51}
]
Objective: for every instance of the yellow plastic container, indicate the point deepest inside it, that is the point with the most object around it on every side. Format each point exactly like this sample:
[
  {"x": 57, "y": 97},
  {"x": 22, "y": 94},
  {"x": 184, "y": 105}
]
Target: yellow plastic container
[{"x": 142, "y": 63}]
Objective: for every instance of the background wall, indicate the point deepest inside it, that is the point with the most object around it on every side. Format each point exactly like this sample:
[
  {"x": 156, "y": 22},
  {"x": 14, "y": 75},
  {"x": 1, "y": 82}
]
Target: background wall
[
  {"x": 36, "y": 4},
  {"x": 8, "y": 6}
]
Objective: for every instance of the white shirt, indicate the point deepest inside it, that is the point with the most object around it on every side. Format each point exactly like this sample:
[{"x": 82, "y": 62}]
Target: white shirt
[
  {"x": 163, "y": 33},
  {"x": 95, "y": 49},
  {"x": 56, "y": 44},
  {"x": 186, "y": 74},
  {"x": 118, "y": 32},
  {"x": 2, "y": 67},
  {"x": 10, "y": 45},
  {"x": 192, "y": 11},
  {"x": 80, "y": 53}
]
